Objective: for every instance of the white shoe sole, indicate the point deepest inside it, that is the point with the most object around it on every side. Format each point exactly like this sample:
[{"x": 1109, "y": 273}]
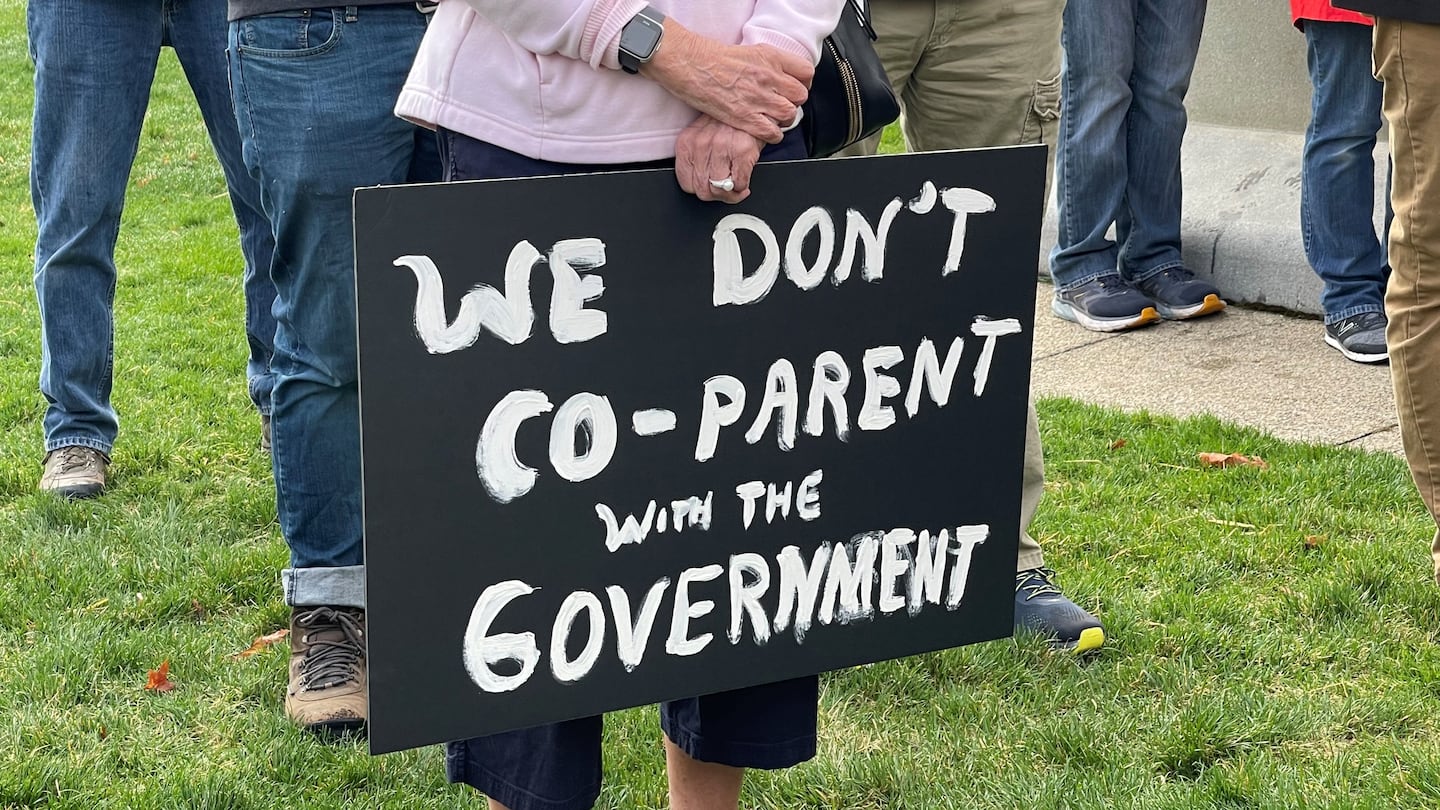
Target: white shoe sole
[
  {"x": 1211, "y": 304},
  {"x": 1064, "y": 311},
  {"x": 1359, "y": 357}
]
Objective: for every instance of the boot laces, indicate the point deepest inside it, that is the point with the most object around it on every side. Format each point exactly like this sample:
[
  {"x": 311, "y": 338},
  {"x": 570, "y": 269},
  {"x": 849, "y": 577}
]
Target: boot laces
[
  {"x": 72, "y": 458},
  {"x": 331, "y": 661},
  {"x": 1035, "y": 582}
]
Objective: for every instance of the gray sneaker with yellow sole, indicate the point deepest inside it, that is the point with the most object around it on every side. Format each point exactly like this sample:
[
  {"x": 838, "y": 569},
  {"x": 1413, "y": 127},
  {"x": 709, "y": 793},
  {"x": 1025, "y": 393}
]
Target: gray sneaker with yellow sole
[{"x": 1041, "y": 607}]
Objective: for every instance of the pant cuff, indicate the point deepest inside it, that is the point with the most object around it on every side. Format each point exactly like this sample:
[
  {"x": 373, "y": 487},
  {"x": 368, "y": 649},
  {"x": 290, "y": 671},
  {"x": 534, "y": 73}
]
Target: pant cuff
[
  {"x": 1350, "y": 312},
  {"x": 1072, "y": 280},
  {"x": 1028, "y": 559},
  {"x": 78, "y": 441},
  {"x": 342, "y": 586},
  {"x": 1145, "y": 275}
]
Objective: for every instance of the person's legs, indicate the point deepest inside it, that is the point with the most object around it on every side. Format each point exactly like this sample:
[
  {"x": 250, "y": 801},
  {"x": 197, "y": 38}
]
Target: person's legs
[
  {"x": 196, "y": 29},
  {"x": 1337, "y": 188},
  {"x": 1091, "y": 165},
  {"x": 1407, "y": 58},
  {"x": 94, "y": 61},
  {"x": 314, "y": 96},
  {"x": 1090, "y": 161},
  {"x": 1167, "y": 38},
  {"x": 711, "y": 740},
  {"x": 551, "y": 767},
  {"x": 989, "y": 74},
  {"x": 972, "y": 74},
  {"x": 698, "y": 785}
]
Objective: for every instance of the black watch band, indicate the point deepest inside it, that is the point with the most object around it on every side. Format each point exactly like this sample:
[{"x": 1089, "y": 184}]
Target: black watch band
[{"x": 640, "y": 38}]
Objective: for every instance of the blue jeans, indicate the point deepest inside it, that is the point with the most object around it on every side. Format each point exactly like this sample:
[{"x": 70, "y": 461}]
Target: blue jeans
[
  {"x": 1337, "y": 181},
  {"x": 94, "y": 63},
  {"x": 315, "y": 95},
  {"x": 1127, "y": 69}
]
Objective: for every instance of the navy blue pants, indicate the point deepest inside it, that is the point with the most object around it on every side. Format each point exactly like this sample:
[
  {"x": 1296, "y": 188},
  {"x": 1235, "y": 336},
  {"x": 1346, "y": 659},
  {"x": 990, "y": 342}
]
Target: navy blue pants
[{"x": 558, "y": 766}]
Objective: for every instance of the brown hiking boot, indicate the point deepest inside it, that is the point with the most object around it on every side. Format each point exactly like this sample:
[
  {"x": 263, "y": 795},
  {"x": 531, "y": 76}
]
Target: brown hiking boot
[
  {"x": 327, "y": 669},
  {"x": 74, "y": 472}
]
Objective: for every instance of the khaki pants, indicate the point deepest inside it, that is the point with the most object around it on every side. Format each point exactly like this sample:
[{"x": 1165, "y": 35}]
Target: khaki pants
[
  {"x": 970, "y": 74},
  {"x": 1407, "y": 59}
]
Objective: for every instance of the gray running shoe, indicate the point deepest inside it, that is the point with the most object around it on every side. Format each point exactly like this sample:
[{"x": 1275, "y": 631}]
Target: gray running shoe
[
  {"x": 1104, "y": 304},
  {"x": 1359, "y": 337},
  {"x": 1040, "y": 607},
  {"x": 1179, "y": 295}
]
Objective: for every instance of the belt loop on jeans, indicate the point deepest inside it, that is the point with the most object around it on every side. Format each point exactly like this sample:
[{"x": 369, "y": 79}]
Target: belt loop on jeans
[
  {"x": 426, "y": 6},
  {"x": 351, "y": 14}
]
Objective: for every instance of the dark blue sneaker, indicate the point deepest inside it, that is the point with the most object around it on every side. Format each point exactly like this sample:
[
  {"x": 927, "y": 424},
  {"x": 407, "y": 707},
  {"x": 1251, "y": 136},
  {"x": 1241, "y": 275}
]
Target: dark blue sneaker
[
  {"x": 1105, "y": 304},
  {"x": 1359, "y": 337},
  {"x": 1041, "y": 608},
  {"x": 1179, "y": 295}
]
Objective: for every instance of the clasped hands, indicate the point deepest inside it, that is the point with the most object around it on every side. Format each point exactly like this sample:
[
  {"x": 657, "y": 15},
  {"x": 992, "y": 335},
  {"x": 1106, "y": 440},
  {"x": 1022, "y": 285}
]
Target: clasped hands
[{"x": 747, "y": 96}]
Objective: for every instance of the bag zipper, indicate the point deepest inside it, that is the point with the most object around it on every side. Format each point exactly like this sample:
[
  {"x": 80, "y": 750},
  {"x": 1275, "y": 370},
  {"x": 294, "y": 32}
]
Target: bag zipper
[{"x": 853, "y": 101}]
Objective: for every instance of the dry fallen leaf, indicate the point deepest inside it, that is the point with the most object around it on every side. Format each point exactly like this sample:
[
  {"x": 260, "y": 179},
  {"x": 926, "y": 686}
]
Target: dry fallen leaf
[
  {"x": 1231, "y": 460},
  {"x": 1117, "y": 444},
  {"x": 159, "y": 679},
  {"x": 261, "y": 643},
  {"x": 1313, "y": 541}
]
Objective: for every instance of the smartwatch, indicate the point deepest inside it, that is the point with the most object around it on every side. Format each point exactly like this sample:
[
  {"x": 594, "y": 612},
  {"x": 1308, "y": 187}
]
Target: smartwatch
[{"x": 640, "y": 39}]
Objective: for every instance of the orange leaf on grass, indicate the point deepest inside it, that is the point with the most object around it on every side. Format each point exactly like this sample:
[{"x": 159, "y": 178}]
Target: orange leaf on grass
[
  {"x": 1231, "y": 460},
  {"x": 1117, "y": 444},
  {"x": 159, "y": 679},
  {"x": 261, "y": 643}
]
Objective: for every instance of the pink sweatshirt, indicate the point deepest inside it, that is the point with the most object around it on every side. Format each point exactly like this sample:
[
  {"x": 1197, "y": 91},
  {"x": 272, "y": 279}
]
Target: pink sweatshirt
[{"x": 542, "y": 77}]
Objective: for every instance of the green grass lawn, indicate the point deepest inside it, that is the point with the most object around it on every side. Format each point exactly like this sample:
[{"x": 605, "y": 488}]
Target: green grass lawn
[{"x": 1272, "y": 632}]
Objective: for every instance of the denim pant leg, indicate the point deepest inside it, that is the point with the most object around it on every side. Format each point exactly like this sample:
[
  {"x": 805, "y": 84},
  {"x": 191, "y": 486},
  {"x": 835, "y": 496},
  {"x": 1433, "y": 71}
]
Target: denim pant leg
[
  {"x": 1092, "y": 155},
  {"x": 1167, "y": 38},
  {"x": 196, "y": 29},
  {"x": 94, "y": 62},
  {"x": 314, "y": 97},
  {"x": 1337, "y": 185}
]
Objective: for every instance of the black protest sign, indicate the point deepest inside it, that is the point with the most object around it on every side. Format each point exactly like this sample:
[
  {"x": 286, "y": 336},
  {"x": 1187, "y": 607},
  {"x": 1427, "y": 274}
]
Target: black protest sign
[{"x": 621, "y": 446}]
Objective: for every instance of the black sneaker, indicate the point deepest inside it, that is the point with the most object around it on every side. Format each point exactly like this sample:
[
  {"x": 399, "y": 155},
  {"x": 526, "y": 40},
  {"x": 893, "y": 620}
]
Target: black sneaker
[
  {"x": 1041, "y": 608},
  {"x": 1179, "y": 295},
  {"x": 1360, "y": 337},
  {"x": 1105, "y": 304}
]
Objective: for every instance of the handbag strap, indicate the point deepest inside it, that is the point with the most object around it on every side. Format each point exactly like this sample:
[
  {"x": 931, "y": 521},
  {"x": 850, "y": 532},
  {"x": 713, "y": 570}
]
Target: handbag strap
[{"x": 862, "y": 10}]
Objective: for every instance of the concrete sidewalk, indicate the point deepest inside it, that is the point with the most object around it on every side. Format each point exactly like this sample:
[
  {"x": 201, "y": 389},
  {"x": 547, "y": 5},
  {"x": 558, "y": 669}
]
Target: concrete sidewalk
[
  {"x": 1255, "y": 368},
  {"x": 1241, "y": 229}
]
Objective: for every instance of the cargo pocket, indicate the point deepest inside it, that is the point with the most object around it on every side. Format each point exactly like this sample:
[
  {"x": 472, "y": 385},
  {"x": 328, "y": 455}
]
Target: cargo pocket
[{"x": 1042, "y": 118}]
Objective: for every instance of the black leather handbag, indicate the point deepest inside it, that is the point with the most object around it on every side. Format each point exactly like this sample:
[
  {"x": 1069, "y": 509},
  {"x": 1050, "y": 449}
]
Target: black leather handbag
[{"x": 850, "y": 97}]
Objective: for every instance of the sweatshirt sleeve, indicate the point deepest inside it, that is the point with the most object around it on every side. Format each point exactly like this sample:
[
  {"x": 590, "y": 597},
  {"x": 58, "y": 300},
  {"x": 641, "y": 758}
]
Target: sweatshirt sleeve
[
  {"x": 793, "y": 26},
  {"x": 587, "y": 30}
]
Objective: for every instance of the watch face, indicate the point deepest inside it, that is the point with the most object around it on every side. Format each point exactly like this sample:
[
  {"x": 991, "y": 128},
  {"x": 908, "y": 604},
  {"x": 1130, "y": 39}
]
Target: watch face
[{"x": 640, "y": 36}]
